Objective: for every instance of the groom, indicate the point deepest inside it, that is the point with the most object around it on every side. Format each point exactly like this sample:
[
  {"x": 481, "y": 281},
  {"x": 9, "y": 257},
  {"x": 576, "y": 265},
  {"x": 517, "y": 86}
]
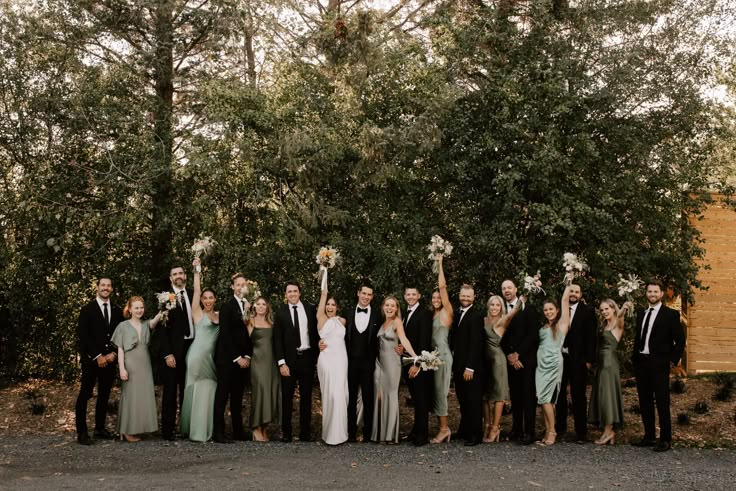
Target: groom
[
  {"x": 361, "y": 328},
  {"x": 296, "y": 346},
  {"x": 418, "y": 329},
  {"x": 177, "y": 336}
]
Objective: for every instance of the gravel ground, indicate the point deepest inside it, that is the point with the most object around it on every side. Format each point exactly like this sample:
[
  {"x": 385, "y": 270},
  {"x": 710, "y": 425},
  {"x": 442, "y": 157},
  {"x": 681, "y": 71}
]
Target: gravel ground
[{"x": 57, "y": 462}]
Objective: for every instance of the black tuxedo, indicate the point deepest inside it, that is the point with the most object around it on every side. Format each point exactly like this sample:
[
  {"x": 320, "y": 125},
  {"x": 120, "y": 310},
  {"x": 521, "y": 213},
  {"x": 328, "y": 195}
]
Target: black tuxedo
[
  {"x": 418, "y": 330},
  {"x": 467, "y": 343},
  {"x": 233, "y": 342},
  {"x": 578, "y": 349},
  {"x": 362, "y": 350},
  {"x": 286, "y": 341},
  {"x": 94, "y": 333},
  {"x": 522, "y": 337},
  {"x": 173, "y": 342},
  {"x": 666, "y": 344}
]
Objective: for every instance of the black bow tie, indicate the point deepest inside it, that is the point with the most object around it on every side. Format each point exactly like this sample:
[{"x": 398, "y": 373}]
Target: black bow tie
[{"x": 362, "y": 311}]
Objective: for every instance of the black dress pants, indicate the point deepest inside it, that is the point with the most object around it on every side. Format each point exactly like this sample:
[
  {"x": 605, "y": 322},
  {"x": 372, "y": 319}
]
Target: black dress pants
[{"x": 93, "y": 374}]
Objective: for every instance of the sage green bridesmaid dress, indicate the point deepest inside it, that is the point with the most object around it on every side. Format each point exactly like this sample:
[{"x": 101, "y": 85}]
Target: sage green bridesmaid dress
[
  {"x": 443, "y": 374},
  {"x": 386, "y": 378},
  {"x": 548, "y": 376},
  {"x": 137, "y": 409},
  {"x": 606, "y": 402},
  {"x": 198, "y": 408},
  {"x": 497, "y": 383},
  {"x": 265, "y": 379}
]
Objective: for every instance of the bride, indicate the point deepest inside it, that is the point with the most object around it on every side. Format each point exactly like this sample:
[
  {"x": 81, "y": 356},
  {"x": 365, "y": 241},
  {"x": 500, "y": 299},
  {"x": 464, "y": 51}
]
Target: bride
[{"x": 332, "y": 369}]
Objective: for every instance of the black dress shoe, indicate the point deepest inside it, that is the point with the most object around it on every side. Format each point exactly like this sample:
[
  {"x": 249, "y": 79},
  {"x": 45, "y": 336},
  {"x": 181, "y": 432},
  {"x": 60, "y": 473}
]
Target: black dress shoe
[
  {"x": 169, "y": 437},
  {"x": 527, "y": 440},
  {"x": 421, "y": 442},
  {"x": 103, "y": 434},
  {"x": 644, "y": 442},
  {"x": 242, "y": 437},
  {"x": 221, "y": 439},
  {"x": 472, "y": 443},
  {"x": 84, "y": 439},
  {"x": 663, "y": 447},
  {"x": 352, "y": 439},
  {"x": 305, "y": 438},
  {"x": 513, "y": 436},
  {"x": 286, "y": 439}
]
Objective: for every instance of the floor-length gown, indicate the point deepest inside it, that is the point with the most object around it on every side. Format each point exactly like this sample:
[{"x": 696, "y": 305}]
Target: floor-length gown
[
  {"x": 386, "y": 379},
  {"x": 606, "y": 402},
  {"x": 265, "y": 380},
  {"x": 197, "y": 409},
  {"x": 137, "y": 409},
  {"x": 548, "y": 376},
  {"x": 332, "y": 370},
  {"x": 443, "y": 374},
  {"x": 497, "y": 383}
]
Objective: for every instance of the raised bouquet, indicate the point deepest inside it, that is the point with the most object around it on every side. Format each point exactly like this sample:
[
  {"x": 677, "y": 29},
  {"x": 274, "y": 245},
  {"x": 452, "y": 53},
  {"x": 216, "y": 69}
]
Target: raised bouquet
[
  {"x": 574, "y": 267},
  {"x": 532, "y": 284},
  {"x": 166, "y": 302},
  {"x": 438, "y": 247},
  {"x": 251, "y": 291},
  {"x": 327, "y": 258},
  {"x": 627, "y": 287},
  {"x": 427, "y": 360},
  {"x": 202, "y": 246}
]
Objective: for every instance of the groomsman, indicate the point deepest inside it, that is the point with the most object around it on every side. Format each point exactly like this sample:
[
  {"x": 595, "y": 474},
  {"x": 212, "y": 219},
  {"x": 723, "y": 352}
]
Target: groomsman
[
  {"x": 520, "y": 346},
  {"x": 467, "y": 343},
  {"x": 176, "y": 338},
  {"x": 295, "y": 344},
  {"x": 658, "y": 347},
  {"x": 232, "y": 358},
  {"x": 418, "y": 330},
  {"x": 361, "y": 342},
  {"x": 579, "y": 354},
  {"x": 96, "y": 323}
]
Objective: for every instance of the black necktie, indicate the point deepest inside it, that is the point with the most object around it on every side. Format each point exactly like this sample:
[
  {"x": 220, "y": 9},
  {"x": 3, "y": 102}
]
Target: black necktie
[
  {"x": 296, "y": 319},
  {"x": 645, "y": 330},
  {"x": 362, "y": 311},
  {"x": 510, "y": 307},
  {"x": 186, "y": 312},
  {"x": 107, "y": 316},
  {"x": 242, "y": 306}
]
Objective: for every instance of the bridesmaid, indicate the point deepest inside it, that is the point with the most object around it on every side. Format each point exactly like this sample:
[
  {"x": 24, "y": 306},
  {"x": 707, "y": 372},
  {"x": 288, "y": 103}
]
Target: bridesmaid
[
  {"x": 197, "y": 410},
  {"x": 606, "y": 402},
  {"x": 265, "y": 381},
  {"x": 548, "y": 375},
  {"x": 497, "y": 384},
  {"x": 388, "y": 373},
  {"x": 440, "y": 332},
  {"x": 137, "y": 409}
]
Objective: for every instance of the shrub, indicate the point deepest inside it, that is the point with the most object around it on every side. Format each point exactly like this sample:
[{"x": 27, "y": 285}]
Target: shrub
[
  {"x": 683, "y": 418},
  {"x": 701, "y": 407},
  {"x": 724, "y": 379},
  {"x": 38, "y": 409},
  {"x": 723, "y": 393}
]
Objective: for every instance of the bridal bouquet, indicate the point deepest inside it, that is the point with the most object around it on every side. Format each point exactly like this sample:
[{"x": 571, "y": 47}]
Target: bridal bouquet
[
  {"x": 166, "y": 302},
  {"x": 532, "y": 284},
  {"x": 574, "y": 266},
  {"x": 327, "y": 258},
  {"x": 427, "y": 360},
  {"x": 627, "y": 287},
  {"x": 438, "y": 246},
  {"x": 202, "y": 246},
  {"x": 250, "y": 292}
]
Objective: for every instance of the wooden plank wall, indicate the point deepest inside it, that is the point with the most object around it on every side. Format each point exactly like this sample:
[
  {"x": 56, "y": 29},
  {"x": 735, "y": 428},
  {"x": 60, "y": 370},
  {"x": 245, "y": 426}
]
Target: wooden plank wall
[{"x": 711, "y": 332}]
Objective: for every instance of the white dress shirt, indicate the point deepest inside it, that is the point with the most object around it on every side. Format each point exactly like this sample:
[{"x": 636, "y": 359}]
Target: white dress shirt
[
  {"x": 361, "y": 319},
  {"x": 100, "y": 302},
  {"x": 303, "y": 327},
  {"x": 652, "y": 318},
  {"x": 410, "y": 310},
  {"x": 182, "y": 294}
]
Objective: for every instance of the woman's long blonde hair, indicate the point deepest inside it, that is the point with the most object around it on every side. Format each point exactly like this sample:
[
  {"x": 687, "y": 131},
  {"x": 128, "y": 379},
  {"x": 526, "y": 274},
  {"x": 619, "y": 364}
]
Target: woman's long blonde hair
[
  {"x": 398, "y": 306},
  {"x": 268, "y": 316},
  {"x": 611, "y": 303}
]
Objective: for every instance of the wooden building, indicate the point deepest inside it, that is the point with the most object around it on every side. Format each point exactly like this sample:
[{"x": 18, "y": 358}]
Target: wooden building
[{"x": 711, "y": 327}]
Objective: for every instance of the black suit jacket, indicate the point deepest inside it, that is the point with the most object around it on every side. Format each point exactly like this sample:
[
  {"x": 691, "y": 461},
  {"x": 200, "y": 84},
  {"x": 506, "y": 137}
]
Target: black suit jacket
[
  {"x": 374, "y": 324},
  {"x": 93, "y": 333},
  {"x": 173, "y": 333},
  {"x": 233, "y": 341},
  {"x": 522, "y": 336},
  {"x": 468, "y": 342},
  {"x": 418, "y": 329},
  {"x": 667, "y": 340},
  {"x": 286, "y": 339},
  {"x": 580, "y": 340}
]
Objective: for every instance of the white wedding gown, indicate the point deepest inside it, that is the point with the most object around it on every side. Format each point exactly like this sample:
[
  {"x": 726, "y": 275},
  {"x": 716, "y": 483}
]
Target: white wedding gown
[{"x": 332, "y": 369}]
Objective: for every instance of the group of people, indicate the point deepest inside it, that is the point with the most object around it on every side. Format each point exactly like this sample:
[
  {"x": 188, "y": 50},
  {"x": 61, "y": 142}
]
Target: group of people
[{"x": 359, "y": 358}]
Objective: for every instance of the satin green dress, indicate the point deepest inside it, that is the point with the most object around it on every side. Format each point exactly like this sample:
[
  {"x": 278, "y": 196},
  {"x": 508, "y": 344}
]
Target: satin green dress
[
  {"x": 548, "y": 376},
  {"x": 198, "y": 408},
  {"x": 137, "y": 409},
  {"x": 386, "y": 379},
  {"x": 606, "y": 402},
  {"x": 443, "y": 374},
  {"x": 497, "y": 383},
  {"x": 265, "y": 403}
]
